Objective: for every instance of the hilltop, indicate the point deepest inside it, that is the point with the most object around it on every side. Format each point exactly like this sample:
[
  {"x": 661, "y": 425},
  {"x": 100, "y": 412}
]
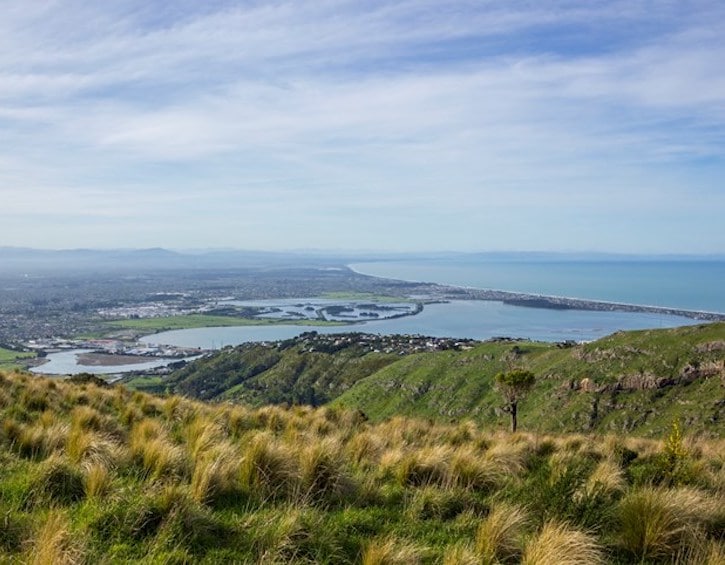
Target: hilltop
[
  {"x": 634, "y": 382},
  {"x": 94, "y": 473}
]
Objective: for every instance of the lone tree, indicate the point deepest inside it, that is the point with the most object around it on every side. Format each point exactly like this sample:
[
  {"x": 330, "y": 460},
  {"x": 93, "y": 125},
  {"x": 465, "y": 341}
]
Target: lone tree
[{"x": 514, "y": 385}]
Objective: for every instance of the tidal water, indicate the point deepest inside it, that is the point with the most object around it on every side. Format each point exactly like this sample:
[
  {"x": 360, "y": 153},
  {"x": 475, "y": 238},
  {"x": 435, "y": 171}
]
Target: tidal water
[
  {"x": 66, "y": 363},
  {"x": 690, "y": 285},
  {"x": 461, "y": 318}
]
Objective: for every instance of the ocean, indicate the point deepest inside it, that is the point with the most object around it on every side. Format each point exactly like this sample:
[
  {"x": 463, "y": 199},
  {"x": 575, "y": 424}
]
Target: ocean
[{"x": 689, "y": 285}]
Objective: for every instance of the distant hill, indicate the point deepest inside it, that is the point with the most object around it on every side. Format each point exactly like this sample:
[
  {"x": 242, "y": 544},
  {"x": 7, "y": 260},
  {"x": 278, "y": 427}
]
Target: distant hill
[
  {"x": 636, "y": 382},
  {"x": 291, "y": 372}
]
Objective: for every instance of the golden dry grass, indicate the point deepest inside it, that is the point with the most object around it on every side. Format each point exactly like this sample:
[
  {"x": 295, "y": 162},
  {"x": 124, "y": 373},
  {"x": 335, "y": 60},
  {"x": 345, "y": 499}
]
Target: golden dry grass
[
  {"x": 500, "y": 535},
  {"x": 54, "y": 543},
  {"x": 559, "y": 544},
  {"x": 391, "y": 551}
]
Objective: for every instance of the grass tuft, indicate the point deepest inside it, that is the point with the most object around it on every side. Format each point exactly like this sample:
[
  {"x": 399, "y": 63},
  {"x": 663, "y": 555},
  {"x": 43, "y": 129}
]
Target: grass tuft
[
  {"x": 54, "y": 543},
  {"x": 56, "y": 482},
  {"x": 561, "y": 545},
  {"x": 657, "y": 522},
  {"x": 391, "y": 551},
  {"x": 500, "y": 535}
]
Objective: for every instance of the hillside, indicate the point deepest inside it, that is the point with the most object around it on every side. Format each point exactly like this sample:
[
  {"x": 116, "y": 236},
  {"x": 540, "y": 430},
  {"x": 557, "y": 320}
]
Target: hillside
[
  {"x": 295, "y": 371},
  {"x": 629, "y": 381},
  {"x": 92, "y": 473}
]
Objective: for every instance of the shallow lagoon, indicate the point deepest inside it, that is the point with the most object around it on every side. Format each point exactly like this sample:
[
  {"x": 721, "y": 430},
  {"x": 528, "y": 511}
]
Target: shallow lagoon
[
  {"x": 461, "y": 318},
  {"x": 66, "y": 363}
]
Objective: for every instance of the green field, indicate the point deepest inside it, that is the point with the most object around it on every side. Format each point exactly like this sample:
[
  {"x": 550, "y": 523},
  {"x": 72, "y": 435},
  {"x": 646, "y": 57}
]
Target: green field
[
  {"x": 205, "y": 321},
  {"x": 9, "y": 359}
]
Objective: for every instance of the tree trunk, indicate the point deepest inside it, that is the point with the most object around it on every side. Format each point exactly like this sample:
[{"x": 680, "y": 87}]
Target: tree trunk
[{"x": 514, "y": 406}]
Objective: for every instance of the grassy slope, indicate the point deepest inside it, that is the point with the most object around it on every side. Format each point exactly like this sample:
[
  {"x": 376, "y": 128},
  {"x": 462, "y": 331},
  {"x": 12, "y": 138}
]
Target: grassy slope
[
  {"x": 453, "y": 385},
  {"x": 100, "y": 474},
  {"x": 456, "y": 385},
  {"x": 260, "y": 375}
]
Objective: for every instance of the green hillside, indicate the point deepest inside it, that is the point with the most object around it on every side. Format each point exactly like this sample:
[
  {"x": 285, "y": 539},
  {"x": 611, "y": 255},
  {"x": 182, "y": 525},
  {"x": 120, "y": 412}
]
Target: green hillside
[
  {"x": 630, "y": 381},
  {"x": 294, "y": 372},
  {"x": 93, "y": 473}
]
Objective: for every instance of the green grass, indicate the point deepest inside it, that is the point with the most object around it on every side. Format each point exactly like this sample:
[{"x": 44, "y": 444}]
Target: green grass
[
  {"x": 105, "y": 474},
  {"x": 152, "y": 384},
  {"x": 10, "y": 359},
  {"x": 204, "y": 321}
]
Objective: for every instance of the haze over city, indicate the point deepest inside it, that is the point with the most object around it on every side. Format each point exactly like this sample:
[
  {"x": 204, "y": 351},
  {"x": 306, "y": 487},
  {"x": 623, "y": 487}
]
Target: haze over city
[{"x": 400, "y": 126}]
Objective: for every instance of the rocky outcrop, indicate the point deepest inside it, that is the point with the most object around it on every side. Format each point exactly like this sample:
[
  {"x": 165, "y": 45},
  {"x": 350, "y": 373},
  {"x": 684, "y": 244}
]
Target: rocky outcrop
[{"x": 649, "y": 381}]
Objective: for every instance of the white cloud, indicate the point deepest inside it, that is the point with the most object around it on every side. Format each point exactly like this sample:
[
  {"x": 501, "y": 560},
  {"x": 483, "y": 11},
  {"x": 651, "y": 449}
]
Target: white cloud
[{"x": 331, "y": 107}]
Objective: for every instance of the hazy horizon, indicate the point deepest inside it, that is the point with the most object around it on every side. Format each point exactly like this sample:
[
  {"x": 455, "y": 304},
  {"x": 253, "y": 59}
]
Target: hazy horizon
[{"x": 404, "y": 127}]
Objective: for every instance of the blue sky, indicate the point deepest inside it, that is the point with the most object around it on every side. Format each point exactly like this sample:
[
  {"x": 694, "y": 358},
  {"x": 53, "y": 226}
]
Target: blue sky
[{"x": 333, "y": 124}]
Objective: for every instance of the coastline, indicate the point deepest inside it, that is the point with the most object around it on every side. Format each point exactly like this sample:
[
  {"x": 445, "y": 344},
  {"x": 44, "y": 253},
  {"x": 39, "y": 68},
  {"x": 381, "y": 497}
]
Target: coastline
[{"x": 552, "y": 302}]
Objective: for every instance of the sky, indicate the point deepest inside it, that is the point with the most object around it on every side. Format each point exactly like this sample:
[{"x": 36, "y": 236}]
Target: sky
[{"x": 411, "y": 125}]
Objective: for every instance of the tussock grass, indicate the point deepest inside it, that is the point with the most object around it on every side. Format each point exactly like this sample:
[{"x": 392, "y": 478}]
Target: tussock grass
[
  {"x": 365, "y": 449},
  {"x": 293, "y": 535},
  {"x": 84, "y": 446},
  {"x": 125, "y": 477},
  {"x": 655, "y": 522},
  {"x": 216, "y": 475},
  {"x": 391, "y": 551},
  {"x": 426, "y": 467},
  {"x": 468, "y": 469},
  {"x": 56, "y": 482},
  {"x": 500, "y": 535},
  {"x": 97, "y": 480},
  {"x": 561, "y": 545},
  {"x": 606, "y": 478},
  {"x": 152, "y": 449},
  {"x": 434, "y": 503},
  {"x": 322, "y": 473},
  {"x": 54, "y": 543},
  {"x": 268, "y": 469},
  {"x": 461, "y": 554}
]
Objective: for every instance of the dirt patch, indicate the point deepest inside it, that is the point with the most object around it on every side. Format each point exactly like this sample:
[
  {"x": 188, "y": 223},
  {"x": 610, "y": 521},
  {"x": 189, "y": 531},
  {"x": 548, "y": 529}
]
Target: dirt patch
[{"x": 107, "y": 359}]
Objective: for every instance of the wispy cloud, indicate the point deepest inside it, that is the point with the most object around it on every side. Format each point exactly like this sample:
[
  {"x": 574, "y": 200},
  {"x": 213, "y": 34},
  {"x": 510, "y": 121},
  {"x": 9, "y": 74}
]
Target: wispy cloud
[{"x": 306, "y": 113}]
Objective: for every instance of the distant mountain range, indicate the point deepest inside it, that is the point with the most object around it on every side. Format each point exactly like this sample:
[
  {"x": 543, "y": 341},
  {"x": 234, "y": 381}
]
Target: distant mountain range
[{"x": 21, "y": 259}]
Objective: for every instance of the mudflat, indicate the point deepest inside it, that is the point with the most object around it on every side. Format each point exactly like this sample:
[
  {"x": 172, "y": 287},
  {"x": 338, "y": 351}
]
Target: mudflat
[{"x": 100, "y": 359}]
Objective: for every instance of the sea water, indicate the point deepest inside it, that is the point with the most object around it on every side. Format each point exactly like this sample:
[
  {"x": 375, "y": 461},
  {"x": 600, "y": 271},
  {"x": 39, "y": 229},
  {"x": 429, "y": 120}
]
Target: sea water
[{"x": 688, "y": 285}]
